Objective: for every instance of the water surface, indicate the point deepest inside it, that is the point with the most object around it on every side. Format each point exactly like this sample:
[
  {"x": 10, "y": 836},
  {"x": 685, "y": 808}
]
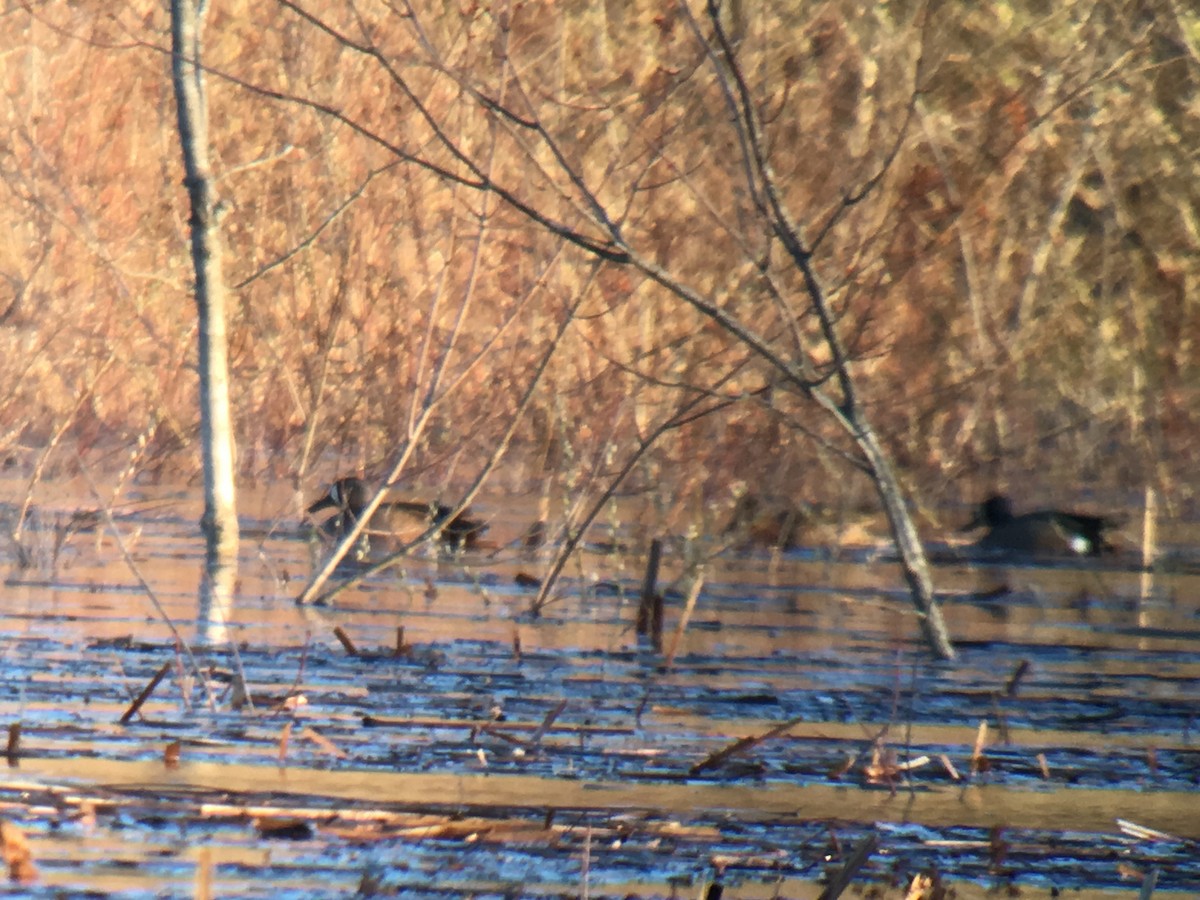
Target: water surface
[{"x": 564, "y": 735}]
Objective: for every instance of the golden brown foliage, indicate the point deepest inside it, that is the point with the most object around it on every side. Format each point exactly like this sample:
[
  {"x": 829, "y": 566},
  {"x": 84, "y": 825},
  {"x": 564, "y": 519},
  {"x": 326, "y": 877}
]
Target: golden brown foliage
[{"x": 1019, "y": 286}]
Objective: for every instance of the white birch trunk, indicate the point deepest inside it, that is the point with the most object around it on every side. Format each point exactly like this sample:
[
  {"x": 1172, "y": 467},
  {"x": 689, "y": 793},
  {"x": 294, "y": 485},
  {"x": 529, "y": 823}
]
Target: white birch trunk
[{"x": 216, "y": 434}]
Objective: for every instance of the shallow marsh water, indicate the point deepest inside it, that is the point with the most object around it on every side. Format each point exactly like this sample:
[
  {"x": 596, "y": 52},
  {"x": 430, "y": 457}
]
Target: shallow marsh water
[{"x": 498, "y": 751}]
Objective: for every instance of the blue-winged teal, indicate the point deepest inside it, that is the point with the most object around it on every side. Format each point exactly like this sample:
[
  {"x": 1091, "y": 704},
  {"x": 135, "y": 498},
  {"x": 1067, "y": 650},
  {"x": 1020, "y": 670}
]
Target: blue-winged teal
[
  {"x": 1047, "y": 532},
  {"x": 404, "y": 519}
]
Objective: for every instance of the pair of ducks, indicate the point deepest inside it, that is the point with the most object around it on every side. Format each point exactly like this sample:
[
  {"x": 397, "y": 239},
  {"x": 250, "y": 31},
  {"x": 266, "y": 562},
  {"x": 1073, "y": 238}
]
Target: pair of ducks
[
  {"x": 402, "y": 520},
  {"x": 1047, "y": 532}
]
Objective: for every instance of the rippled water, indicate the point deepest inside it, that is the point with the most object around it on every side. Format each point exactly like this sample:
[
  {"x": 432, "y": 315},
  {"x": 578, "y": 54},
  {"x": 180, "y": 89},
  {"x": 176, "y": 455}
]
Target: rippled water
[{"x": 564, "y": 736}]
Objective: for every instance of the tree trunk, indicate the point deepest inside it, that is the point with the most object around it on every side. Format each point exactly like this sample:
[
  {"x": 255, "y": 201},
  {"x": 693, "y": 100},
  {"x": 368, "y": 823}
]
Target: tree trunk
[
  {"x": 220, "y": 507},
  {"x": 913, "y": 561}
]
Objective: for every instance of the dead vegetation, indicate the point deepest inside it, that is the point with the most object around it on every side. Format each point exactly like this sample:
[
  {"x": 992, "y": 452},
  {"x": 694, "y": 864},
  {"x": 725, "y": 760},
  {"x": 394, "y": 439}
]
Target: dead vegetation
[{"x": 1017, "y": 291}]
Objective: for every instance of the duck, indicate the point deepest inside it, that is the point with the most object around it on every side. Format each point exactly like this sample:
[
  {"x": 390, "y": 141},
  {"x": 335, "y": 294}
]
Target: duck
[
  {"x": 402, "y": 519},
  {"x": 1045, "y": 532}
]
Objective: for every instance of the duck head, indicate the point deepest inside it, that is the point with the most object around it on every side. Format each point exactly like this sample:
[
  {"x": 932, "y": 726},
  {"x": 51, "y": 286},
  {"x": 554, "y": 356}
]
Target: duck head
[
  {"x": 995, "y": 510},
  {"x": 345, "y": 494}
]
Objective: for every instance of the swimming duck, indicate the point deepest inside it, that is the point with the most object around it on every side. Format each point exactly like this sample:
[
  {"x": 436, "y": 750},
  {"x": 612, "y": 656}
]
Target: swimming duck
[
  {"x": 403, "y": 519},
  {"x": 1046, "y": 532}
]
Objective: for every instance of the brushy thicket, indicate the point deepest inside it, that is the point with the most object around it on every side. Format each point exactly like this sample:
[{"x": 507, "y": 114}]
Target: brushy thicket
[{"x": 1020, "y": 286}]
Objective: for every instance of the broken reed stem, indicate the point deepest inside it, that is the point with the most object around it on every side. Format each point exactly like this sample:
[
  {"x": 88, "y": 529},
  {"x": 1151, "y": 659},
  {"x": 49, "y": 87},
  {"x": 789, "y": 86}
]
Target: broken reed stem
[
  {"x": 741, "y": 745},
  {"x": 18, "y": 857},
  {"x": 13, "y": 750},
  {"x": 1148, "y": 884},
  {"x": 684, "y": 618},
  {"x": 980, "y": 742},
  {"x": 649, "y": 586},
  {"x": 1149, "y": 542},
  {"x": 540, "y": 732},
  {"x": 347, "y": 644},
  {"x": 1014, "y": 681},
  {"x": 841, "y": 880},
  {"x": 324, "y": 743},
  {"x": 656, "y": 623},
  {"x": 285, "y": 738},
  {"x": 146, "y": 692}
]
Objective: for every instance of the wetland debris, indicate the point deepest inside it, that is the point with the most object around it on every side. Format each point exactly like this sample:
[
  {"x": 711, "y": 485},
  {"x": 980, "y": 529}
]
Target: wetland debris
[
  {"x": 203, "y": 889},
  {"x": 689, "y": 606},
  {"x": 326, "y": 745},
  {"x": 13, "y": 749},
  {"x": 344, "y": 639},
  {"x": 1142, "y": 833},
  {"x": 949, "y": 766},
  {"x": 842, "y": 878},
  {"x": 742, "y": 745},
  {"x": 141, "y": 698},
  {"x": 1044, "y": 766},
  {"x": 18, "y": 858},
  {"x": 1149, "y": 883},
  {"x": 650, "y": 605},
  {"x": 527, "y": 582},
  {"x": 979, "y": 761},
  {"x": 285, "y": 740},
  {"x": 1014, "y": 681},
  {"x": 536, "y": 739},
  {"x": 283, "y": 828}
]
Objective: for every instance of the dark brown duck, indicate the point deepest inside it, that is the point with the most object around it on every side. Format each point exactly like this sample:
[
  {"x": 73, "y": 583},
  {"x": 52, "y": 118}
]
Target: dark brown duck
[{"x": 402, "y": 519}]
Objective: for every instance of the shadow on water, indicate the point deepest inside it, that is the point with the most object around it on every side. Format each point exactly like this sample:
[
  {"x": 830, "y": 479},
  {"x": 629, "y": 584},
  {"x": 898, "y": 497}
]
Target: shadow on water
[{"x": 426, "y": 734}]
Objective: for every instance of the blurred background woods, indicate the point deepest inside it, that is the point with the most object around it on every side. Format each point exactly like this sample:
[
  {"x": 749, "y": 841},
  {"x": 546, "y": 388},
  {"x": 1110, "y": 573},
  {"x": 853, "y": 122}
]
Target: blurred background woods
[{"x": 1018, "y": 290}]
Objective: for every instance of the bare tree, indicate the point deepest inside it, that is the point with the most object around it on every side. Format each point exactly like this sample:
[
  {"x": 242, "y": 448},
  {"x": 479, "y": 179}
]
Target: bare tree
[
  {"x": 220, "y": 509},
  {"x": 795, "y": 329}
]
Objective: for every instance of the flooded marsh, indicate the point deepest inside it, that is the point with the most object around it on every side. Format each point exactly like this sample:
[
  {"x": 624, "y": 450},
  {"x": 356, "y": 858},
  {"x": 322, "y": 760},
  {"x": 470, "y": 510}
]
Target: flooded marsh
[{"x": 451, "y": 744}]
